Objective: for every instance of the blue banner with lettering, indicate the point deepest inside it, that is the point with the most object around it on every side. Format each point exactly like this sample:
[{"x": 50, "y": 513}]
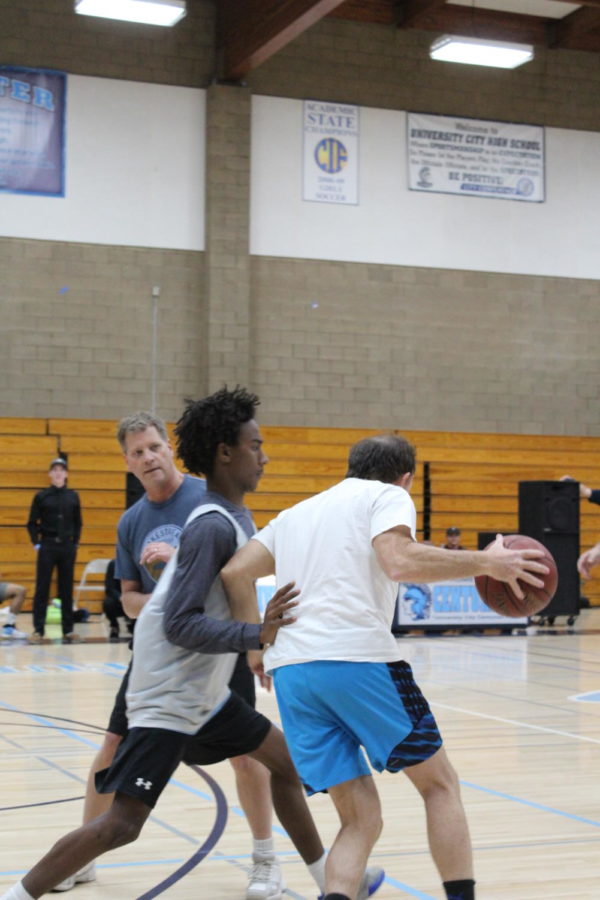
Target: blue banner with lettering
[
  {"x": 32, "y": 131},
  {"x": 447, "y": 603}
]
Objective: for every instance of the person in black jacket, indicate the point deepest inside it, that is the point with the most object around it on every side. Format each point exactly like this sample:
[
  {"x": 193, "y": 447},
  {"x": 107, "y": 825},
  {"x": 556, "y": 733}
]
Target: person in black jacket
[
  {"x": 54, "y": 527},
  {"x": 112, "y": 606}
]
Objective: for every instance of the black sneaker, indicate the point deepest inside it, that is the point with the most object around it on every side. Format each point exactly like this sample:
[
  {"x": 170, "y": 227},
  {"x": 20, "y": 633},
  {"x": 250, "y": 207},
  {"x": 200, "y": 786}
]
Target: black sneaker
[{"x": 113, "y": 635}]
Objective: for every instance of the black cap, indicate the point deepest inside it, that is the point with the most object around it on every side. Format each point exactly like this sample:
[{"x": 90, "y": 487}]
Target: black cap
[
  {"x": 452, "y": 530},
  {"x": 59, "y": 461}
]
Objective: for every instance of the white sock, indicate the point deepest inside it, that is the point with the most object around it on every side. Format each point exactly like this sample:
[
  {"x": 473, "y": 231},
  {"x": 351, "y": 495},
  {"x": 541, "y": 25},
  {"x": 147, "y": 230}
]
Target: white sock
[
  {"x": 10, "y": 618},
  {"x": 262, "y": 848},
  {"x": 317, "y": 870},
  {"x": 17, "y": 892}
]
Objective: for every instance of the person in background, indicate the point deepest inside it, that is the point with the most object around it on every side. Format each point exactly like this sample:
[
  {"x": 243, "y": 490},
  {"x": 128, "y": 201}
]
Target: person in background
[
  {"x": 54, "y": 526},
  {"x": 585, "y": 492},
  {"x": 452, "y": 539},
  {"x": 112, "y": 606},
  {"x": 15, "y": 595}
]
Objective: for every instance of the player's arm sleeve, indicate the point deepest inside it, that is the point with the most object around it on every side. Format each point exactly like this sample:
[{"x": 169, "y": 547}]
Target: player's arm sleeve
[
  {"x": 206, "y": 544},
  {"x": 126, "y": 567},
  {"x": 392, "y": 508}
]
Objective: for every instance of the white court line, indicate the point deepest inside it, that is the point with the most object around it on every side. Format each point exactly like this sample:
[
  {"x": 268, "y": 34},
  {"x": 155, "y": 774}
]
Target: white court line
[{"x": 469, "y": 712}]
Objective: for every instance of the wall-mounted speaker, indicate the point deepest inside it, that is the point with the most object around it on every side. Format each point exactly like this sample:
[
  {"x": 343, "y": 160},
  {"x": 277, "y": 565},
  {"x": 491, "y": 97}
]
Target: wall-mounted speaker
[{"x": 549, "y": 512}]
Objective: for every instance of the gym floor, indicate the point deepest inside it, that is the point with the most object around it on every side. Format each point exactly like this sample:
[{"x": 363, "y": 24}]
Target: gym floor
[{"x": 520, "y": 715}]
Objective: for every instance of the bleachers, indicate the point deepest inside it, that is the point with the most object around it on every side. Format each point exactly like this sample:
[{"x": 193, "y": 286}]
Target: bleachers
[{"x": 473, "y": 476}]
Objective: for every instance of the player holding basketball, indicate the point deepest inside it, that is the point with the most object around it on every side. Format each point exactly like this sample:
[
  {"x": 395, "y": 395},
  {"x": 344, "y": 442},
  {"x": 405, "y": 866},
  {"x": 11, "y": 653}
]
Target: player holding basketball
[
  {"x": 339, "y": 683},
  {"x": 186, "y": 643}
]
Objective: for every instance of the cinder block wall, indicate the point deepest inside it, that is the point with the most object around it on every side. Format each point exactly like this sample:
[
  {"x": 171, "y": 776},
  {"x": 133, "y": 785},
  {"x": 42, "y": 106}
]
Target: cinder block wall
[{"x": 385, "y": 347}]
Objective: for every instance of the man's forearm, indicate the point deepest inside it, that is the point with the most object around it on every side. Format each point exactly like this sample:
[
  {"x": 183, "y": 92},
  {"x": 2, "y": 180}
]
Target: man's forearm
[
  {"x": 409, "y": 561},
  {"x": 133, "y": 602}
]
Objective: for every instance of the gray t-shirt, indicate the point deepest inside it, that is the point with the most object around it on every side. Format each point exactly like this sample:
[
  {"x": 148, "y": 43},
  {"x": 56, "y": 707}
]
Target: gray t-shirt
[{"x": 146, "y": 522}]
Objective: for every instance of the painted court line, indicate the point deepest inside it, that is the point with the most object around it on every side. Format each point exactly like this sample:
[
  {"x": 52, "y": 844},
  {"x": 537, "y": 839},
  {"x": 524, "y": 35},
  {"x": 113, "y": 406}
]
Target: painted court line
[{"x": 470, "y": 712}]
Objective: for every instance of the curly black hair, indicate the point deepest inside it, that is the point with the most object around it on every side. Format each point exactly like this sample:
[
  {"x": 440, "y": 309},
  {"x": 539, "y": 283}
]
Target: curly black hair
[{"x": 206, "y": 423}]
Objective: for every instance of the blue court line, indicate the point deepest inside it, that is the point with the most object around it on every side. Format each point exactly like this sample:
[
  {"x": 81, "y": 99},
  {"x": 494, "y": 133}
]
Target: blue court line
[
  {"x": 539, "y": 806},
  {"x": 411, "y": 891}
]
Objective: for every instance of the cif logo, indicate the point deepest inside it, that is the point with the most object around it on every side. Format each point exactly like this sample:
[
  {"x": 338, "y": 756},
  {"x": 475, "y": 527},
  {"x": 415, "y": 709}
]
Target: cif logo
[{"x": 330, "y": 155}]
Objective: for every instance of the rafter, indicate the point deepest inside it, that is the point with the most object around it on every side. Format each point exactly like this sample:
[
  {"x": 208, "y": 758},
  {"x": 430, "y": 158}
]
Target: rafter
[
  {"x": 251, "y": 32},
  {"x": 578, "y": 31},
  {"x": 484, "y": 23},
  {"x": 411, "y": 12}
]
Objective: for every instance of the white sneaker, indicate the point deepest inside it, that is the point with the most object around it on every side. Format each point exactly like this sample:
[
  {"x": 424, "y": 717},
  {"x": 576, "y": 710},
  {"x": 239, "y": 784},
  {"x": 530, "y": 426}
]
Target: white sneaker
[
  {"x": 265, "y": 881},
  {"x": 372, "y": 881},
  {"x": 12, "y": 633},
  {"x": 88, "y": 873}
]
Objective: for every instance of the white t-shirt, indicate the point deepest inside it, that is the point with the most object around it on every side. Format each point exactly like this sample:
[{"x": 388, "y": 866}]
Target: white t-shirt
[{"x": 324, "y": 544}]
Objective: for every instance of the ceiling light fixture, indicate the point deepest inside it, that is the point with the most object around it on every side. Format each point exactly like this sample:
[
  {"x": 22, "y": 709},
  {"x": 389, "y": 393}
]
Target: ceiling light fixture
[
  {"x": 149, "y": 12},
  {"x": 479, "y": 52}
]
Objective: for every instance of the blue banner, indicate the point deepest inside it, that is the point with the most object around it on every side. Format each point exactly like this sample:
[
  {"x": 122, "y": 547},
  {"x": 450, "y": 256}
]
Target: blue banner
[{"x": 32, "y": 131}]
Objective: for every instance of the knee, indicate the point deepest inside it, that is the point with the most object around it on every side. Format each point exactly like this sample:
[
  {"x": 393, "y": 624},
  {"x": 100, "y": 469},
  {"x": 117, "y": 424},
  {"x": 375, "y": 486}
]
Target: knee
[
  {"x": 243, "y": 765},
  {"x": 116, "y": 831},
  {"x": 443, "y": 784}
]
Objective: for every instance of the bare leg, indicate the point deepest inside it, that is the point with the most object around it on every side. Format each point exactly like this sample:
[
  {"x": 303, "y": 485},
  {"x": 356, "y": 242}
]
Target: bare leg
[
  {"x": 358, "y": 807},
  {"x": 120, "y": 825},
  {"x": 95, "y": 804},
  {"x": 288, "y": 796},
  {"x": 253, "y": 783},
  {"x": 15, "y": 594},
  {"x": 447, "y": 828}
]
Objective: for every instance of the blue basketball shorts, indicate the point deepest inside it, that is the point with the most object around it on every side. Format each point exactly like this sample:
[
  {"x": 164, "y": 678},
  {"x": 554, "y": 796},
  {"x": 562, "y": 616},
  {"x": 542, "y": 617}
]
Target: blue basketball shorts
[{"x": 331, "y": 710}]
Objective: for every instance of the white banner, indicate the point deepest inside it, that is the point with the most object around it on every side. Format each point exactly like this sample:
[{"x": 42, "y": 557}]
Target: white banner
[
  {"x": 330, "y": 169},
  {"x": 475, "y": 157},
  {"x": 447, "y": 603}
]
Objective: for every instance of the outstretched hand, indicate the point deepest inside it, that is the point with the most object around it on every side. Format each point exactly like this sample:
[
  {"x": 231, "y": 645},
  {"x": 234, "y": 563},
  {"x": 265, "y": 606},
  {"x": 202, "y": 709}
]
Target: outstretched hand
[
  {"x": 275, "y": 616},
  {"x": 588, "y": 560},
  {"x": 512, "y": 566}
]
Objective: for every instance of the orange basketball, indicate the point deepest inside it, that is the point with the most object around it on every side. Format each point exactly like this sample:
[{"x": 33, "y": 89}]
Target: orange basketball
[{"x": 500, "y": 597}]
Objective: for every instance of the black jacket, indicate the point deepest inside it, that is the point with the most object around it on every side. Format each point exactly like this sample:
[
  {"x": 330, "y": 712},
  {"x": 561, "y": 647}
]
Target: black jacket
[{"x": 55, "y": 515}]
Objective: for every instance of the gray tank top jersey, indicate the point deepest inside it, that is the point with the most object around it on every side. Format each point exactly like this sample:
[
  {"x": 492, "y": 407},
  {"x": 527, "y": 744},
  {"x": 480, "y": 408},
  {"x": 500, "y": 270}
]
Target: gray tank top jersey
[{"x": 172, "y": 687}]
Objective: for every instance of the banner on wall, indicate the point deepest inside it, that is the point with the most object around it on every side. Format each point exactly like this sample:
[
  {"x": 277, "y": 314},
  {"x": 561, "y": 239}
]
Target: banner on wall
[
  {"x": 330, "y": 170},
  {"x": 447, "y": 603},
  {"x": 476, "y": 158},
  {"x": 32, "y": 131}
]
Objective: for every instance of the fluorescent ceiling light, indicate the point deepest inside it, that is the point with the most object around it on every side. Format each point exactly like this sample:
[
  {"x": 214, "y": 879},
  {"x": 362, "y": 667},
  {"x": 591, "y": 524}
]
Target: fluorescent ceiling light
[
  {"x": 150, "y": 12},
  {"x": 479, "y": 52}
]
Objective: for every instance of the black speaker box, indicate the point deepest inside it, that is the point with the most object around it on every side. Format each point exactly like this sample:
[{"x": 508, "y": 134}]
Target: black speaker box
[
  {"x": 486, "y": 537},
  {"x": 133, "y": 490},
  {"x": 549, "y": 512}
]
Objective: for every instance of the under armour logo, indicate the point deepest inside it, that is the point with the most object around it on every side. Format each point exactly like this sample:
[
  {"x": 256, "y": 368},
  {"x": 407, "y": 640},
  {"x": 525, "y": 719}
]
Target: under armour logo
[{"x": 145, "y": 784}]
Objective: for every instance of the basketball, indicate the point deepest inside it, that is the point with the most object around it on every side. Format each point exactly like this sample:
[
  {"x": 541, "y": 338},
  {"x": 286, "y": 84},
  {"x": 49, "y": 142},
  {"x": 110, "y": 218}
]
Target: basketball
[{"x": 499, "y": 596}]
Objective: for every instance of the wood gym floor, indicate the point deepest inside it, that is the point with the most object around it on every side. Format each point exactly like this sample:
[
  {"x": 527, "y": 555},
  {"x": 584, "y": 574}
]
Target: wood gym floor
[{"x": 521, "y": 720}]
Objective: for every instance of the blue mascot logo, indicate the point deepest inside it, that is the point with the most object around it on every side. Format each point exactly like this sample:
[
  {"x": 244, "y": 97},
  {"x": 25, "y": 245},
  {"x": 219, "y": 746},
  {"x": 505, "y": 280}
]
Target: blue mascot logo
[{"x": 417, "y": 601}]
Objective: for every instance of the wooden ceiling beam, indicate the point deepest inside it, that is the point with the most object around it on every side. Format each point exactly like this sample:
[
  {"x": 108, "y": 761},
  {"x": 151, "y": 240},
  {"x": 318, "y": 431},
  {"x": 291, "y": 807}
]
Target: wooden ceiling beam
[
  {"x": 579, "y": 3},
  {"x": 578, "y": 31},
  {"x": 482, "y": 23},
  {"x": 250, "y": 32},
  {"x": 411, "y": 12}
]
